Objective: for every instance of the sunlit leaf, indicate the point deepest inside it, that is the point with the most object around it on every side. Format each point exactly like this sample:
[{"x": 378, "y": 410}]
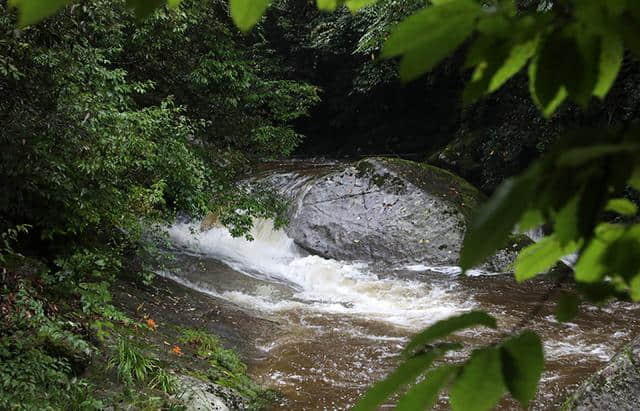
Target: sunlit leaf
[
  {"x": 540, "y": 257},
  {"x": 522, "y": 365},
  {"x": 518, "y": 57},
  {"x": 590, "y": 268},
  {"x": 405, "y": 374},
  {"x": 611, "y": 56},
  {"x": 355, "y": 5},
  {"x": 444, "y": 328},
  {"x": 622, "y": 257},
  {"x": 567, "y": 307},
  {"x": 327, "y": 5},
  {"x": 622, "y": 206},
  {"x": 424, "y": 28},
  {"x": 246, "y": 13},
  {"x": 423, "y": 395},
  {"x": 480, "y": 384}
]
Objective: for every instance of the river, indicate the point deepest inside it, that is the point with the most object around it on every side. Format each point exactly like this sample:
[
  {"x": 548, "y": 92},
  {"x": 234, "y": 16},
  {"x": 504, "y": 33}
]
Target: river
[{"x": 342, "y": 325}]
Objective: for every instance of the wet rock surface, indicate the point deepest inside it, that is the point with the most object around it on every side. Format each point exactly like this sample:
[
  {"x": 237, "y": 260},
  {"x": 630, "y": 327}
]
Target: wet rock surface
[
  {"x": 616, "y": 386},
  {"x": 381, "y": 209}
]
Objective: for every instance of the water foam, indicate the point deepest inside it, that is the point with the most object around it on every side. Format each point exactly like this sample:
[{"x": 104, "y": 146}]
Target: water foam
[{"x": 319, "y": 284}]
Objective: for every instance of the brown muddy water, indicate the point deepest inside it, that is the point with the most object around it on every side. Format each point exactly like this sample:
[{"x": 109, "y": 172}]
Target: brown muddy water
[{"x": 341, "y": 326}]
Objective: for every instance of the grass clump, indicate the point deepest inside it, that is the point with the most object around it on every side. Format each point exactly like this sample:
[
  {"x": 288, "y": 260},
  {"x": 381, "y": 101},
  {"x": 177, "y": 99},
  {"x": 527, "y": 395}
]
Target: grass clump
[
  {"x": 227, "y": 369},
  {"x": 133, "y": 366}
]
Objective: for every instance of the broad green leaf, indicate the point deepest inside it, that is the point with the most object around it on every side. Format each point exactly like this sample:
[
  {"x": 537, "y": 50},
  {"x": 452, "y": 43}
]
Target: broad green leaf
[
  {"x": 327, "y": 5},
  {"x": 554, "y": 71},
  {"x": 446, "y": 327},
  {"x": 611, "y": 56},
  {"x": 566, "y": 222},
  {"x": 567, "y": 307},
  {"x": 480, "y": 384},
  {"x": 405, "y": 374},
  {"x": 173, "y": 3},
  {"x": 518, "y": 57},
  {"x": 425, "y": 27},
  {"x": 583, "y": 73},
  {"x": 622, "y": 257},
  {"x": 540, "y": 257},
  {"x": 578, "y": 156},
  {"x": 423, "y": 395},
  {"x": 494, "y": 220},
  {"x": 355, "y": 5},
  {"x": 522, "y": 365},
  {"x": 622, "y": 206},
  {"x": 424, "y": 58},
  {"x": 32, "y": 11},
  {"x": 548, "y": 107},
  {"x": 246, "y": 13},
  {"x": 590, "y": 268}
]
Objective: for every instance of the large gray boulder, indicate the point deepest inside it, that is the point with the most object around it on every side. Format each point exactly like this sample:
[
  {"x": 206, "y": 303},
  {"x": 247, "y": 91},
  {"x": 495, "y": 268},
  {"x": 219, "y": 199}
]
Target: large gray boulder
[
  {"x": 380, "y": 209},
  {"x": 614, "y": 387}
]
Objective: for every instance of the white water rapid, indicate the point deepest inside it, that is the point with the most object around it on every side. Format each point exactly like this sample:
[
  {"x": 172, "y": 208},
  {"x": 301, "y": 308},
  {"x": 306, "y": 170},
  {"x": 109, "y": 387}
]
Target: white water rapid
[{"x": 317, "y": 283}]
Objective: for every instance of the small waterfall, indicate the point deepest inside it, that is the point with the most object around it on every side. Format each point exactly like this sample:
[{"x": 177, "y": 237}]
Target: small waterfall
[{"x": 319, "y": 284}]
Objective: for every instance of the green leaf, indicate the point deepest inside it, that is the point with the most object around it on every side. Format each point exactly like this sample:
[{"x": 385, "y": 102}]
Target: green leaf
[
  {"x": 424, "y": 29},
  {"x": 622, "y": 257},
  {"x": 425, "y": 41},
  {"x": 327, "y": 5},
  {"x": 522, "y": 365},
  {"x": 532, "y": 218},
  {"x": 590, "y": 268},
  {"x": 554, "y": 71},
  {"x": 518, "y": 57},
  {"x": 246, "y": 13},
  {"x": 622, "y": 206},
  {"x": 32, "y": 11},
  {"x": 567, "y": 307},
  {"x": 566, "y": 226},
  {"x": 355, "y": 5},
  {"x": 611, "y": 56},
  {"x": 540, "y": 257},
  {"x": 405, "y": 374},
  {"x": 480, "y": 384},
  {"x": 547, "y": 107},
  {"x": 578, "y": 156},
  {"x": 173, "y": 3},
  {"x": 494, "y": 220},
  {"x": 446, "y": 327},
  {"x": 423, "y": 395}
]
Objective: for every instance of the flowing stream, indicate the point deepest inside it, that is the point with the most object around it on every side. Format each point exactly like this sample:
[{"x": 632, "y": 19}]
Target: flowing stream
[{"x": 341, "y": 326}]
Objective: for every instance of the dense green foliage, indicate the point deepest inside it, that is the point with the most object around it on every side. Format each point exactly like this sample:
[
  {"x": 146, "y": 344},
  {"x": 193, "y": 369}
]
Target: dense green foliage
[{"x": 109, "y": 128}]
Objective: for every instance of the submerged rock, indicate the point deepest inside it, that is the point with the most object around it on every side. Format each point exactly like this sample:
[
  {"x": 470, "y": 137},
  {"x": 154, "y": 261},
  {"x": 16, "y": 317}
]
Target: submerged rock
[
  {"x": 381, "y": 209},
  {"x": 616, "y": 386}
]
